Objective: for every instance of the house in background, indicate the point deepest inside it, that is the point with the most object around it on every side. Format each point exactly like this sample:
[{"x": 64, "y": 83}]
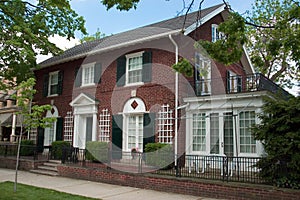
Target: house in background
[{"x": 122, "y": 89}]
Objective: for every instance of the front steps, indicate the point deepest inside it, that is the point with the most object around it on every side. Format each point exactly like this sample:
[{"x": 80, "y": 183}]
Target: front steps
[{"x": 48, "y": 168}]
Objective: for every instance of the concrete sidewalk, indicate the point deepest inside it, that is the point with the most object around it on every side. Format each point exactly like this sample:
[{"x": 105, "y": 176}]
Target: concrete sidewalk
[{"x": 90, "y": 189}]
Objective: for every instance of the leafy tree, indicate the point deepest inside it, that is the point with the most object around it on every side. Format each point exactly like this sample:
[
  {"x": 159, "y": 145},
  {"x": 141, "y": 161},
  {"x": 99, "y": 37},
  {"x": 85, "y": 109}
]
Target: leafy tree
[
  {"x": 96, "y": 36},
  {"x": 25, "y": 29},
  {"x": 280, "y": 135}
]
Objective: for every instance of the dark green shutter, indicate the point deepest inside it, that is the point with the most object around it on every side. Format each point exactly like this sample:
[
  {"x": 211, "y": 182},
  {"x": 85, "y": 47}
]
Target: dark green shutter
[
  {"x": 40, "y": 139},
  {"x": 78, "y": 76},
  {"x": 97, "y": 74},
  {"x": 121, "y": 70},
  {"x": 228, "y": 81},
  {"x": 239, "y": 84},
  {"x": 59, "y": 129},
  {"x": 147, "y": 67},
  {"x": 46, "y": 85},
  {"x": 149, "y": 129},
  {"x": 60, "y": 82},
  {"x": 117, "y": 134}
]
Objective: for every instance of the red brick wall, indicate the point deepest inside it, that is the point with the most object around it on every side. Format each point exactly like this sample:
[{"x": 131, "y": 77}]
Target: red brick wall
[
  {"x": 24, "y": 164},
  {"x": 196, "y": 187}
]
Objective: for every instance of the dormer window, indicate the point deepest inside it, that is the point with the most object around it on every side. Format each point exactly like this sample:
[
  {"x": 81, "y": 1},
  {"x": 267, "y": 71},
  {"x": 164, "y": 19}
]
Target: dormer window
[{"x": 215, "y": 33}]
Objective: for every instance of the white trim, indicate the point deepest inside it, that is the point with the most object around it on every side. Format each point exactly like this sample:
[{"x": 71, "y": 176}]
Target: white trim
[
  {"x": 203, "y": 20},
  {"x": 129, "y": 56},
  {"x": 49, "y": 83},
  {"x": 121, "y": 45},
  {"x": 248, "y": 59},
  {"x": 84, "y": 67}
]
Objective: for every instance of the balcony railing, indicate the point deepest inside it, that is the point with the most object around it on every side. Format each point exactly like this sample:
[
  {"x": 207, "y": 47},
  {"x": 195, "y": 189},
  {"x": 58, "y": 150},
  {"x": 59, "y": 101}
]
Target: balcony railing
[{"x": 238, "y": 84}]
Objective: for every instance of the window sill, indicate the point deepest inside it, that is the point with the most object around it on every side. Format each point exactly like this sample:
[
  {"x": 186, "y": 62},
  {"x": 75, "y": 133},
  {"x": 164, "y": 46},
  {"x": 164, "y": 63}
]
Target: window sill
[
  {"x": 134, "y": 84},
  {"x": 88, "y": 85},
  {"x": 52, "y": 95}
]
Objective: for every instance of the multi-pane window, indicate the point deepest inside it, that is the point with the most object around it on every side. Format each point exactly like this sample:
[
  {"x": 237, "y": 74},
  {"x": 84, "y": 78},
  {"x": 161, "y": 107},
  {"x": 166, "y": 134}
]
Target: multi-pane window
[
  {"x": 214, "y": 133},
  {"x": 203, "y": 74},
  {"x": 247, "y": 142},
  {"x": 199, "y": 132},
  {"x": 135, "y": 132},
  {"x": 104, "y": 126},
  {"x": 234, "y": 82},
  {"x": 88, "y": 75},
  {"x": 215, "y": 33},
  {"x": 68, "y": 127},
  {"x": 53, "y": 83},
  {"x": 134, "y": 68},
  {"x": 165, "y": 125}
]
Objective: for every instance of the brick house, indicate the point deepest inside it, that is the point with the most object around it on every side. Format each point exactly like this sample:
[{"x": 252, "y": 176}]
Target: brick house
[{"x": 122, "y": 89}]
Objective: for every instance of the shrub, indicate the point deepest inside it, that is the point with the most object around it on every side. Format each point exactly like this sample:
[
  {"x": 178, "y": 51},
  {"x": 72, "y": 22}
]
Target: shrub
[
  {"x": 27, "y": 148},
  {"x": 97, "y": 151},
  {"x": 57, "y": 147},
  {"x": 159, "y": 155}
]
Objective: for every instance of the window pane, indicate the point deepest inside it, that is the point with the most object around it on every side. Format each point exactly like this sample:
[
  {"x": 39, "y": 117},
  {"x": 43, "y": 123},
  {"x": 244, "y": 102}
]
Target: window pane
[
  {"x": 199, "y": 132},
  {"x": 135, "y": 69},
  {"x": 214, "y": 133},
  {"x": 247, "y": 142}
]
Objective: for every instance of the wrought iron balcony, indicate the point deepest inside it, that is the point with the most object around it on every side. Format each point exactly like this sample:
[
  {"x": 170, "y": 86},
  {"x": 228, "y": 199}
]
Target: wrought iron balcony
[{"x": 238, "y": 84}]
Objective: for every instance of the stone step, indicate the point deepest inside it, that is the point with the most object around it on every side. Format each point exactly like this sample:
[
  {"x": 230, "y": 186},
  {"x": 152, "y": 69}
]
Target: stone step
[
  {"x": 47, "y": 168},
  {"x": 50, "y": 164},
  {"x": 55, "y": 161},
  {"x": 44, "y": 172}
]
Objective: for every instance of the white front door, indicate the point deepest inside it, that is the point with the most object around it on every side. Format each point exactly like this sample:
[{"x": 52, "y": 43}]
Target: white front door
[{"x": 134, "y": 132}]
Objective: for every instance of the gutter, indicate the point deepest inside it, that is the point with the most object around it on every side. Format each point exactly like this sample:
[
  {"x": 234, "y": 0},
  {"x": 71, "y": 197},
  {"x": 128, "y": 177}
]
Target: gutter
[{"x": 176, "y": 102}]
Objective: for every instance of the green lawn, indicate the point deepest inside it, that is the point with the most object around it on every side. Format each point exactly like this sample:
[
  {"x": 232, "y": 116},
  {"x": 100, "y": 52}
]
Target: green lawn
[{"x": 26, "y": 192}]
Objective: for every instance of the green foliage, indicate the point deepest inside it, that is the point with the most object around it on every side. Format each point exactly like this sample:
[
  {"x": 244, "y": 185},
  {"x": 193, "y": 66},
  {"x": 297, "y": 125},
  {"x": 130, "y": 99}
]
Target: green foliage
[
  {"x": 120, "y": 4},
  {"x": 184, "y": 67},
  {"x": 96, "y": 36},
  {"x": 159, "y": 155},
  {"x": 32, "y": 116},
  {"x": 274, "y": 45},
  {"x": 229, "y": 49},
  {"x": 97, "y": 151},
  {"x": 57, "y": 148},
  {"x": 26, "y": 27},
  {"x": 27, "y": 148},
  {"x": 280, "y": 135}
]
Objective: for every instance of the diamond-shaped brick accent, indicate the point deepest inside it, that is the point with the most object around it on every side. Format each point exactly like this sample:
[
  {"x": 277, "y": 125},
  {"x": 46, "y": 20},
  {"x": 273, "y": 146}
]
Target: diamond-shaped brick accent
[{"x": 134, "y": 104}]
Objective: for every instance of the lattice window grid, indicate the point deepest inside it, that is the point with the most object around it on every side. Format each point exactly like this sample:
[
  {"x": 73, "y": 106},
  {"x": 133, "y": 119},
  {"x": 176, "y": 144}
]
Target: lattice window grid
[
  {"x": 165, "y": 125},
  {"x": 68, "y": 127},
  {"x": 104, "y": 126}
]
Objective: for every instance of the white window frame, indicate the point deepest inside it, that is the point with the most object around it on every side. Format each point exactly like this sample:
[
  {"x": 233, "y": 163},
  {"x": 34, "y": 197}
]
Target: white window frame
[
  {"x": 53, "y": 84},
  {"x": 215, "y": 33},
  {"x": 131, "y": 56},
  {"x": 202, "y": 63},
  {"x": 233, "y": 82},
  {"x": 69, "y": 127},
  {"x": 90, "y": 66},
  {"x": 138, "y": 133},
  {"x": 251, "y": 137},
  {"x": 204, "y": 144}
]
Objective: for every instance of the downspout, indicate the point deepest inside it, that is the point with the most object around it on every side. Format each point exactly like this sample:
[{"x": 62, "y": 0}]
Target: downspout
[{"x": 176, "y": 105}]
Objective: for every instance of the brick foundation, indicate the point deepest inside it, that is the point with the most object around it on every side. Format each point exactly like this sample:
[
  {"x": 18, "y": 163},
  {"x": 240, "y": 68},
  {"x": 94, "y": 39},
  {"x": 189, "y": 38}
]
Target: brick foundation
[
  {"x": 196, "y": 187},
  {"x": 24, "y": 164}
]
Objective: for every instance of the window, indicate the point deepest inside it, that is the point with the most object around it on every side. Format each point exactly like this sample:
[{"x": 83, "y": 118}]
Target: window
[
  {"x": 247, "y": 142},
  {"x": 228, "y": 134},
  {"x": 234, "y": 82},
  {"x": 165, "y": 125},
  {"x": 203, "y": 75},
  {"x": 134, "y": 68},
  {"x": 53, "y": 83},
  {"x": 135, "y": 132},
  {"x": 215, "y": 33},
  {"x": 199, "y": 132},
  {"x": 214, "y": 133},
  {"x": 88, "y": 75}
]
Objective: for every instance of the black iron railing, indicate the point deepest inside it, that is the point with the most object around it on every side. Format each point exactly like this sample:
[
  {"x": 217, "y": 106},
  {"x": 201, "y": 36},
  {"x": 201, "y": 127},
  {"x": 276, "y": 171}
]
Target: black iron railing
[
  {"x": 237, "y": 84},
  {"x": 214, "y": 167}
]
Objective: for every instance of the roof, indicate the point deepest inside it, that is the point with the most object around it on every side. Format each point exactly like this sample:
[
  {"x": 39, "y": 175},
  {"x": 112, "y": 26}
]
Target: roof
[{"x": 149, "y": 32}]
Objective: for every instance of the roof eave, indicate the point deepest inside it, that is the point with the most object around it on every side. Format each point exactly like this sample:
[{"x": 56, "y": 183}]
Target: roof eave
[
  {"x": 203, "y": 20},
  {"x": 124, "y": 44}
]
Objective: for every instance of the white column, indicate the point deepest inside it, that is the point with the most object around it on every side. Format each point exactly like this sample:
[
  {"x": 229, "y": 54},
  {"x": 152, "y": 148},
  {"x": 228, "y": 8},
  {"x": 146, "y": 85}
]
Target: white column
[
  {"x": 76, "y": 125},
  {"x": 13, "y": 129},
  {"x": 94, "y": 129}
]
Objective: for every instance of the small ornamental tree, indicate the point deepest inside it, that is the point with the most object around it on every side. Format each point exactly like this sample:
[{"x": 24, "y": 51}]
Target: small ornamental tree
[
  {"x": 30, "y": 116},
  {"x": 280, "y": 135}
]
